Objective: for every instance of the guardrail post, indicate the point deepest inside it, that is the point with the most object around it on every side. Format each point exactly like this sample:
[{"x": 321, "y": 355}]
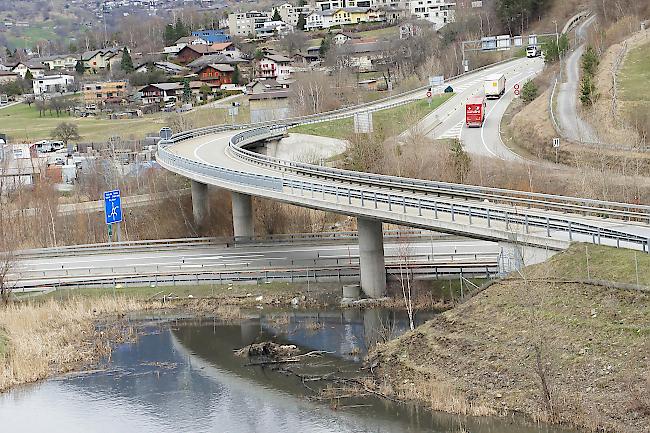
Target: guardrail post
[
  {"x": 470, "y": 215},
  {"x": 349, "y": 196},
  {"x": 526, "y": 222},
  {"x": 403, "y": 204},
  {"x": 337, "y": 193},
  {"x": 488, "y": 218},
  {"x": 302, "y": 192},
  {"x": 618, "y": 242},
  {"x": 598, "y": 235},
  {"x": 362, "y": 202},
  {"x": 571, "y": 232},
  {"x": 419, "y": 206},
  {"x": 312, "y": 190},
  {"x": 435, "y": 209},
  {"x": 389, "y": 204},
  {"x": 453, "y": 216},
  {"x": 548, "y": 228},
  {"x": 375, "y": 194},
  {"x": 507, "y": 222}
]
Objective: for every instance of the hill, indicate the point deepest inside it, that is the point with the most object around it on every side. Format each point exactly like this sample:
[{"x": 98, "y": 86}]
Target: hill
[{"x": 558, "y": 351}]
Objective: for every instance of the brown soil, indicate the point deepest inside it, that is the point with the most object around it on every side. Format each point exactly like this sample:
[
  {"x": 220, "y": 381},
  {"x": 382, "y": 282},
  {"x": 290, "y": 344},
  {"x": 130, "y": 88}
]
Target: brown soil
[{"x": 481, "y": 357}]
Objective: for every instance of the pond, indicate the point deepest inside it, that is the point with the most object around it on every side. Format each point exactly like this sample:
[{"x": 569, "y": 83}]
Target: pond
[{"x": 182, "y": 376}]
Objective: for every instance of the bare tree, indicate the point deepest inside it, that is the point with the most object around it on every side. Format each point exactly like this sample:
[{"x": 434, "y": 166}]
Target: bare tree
[
  {"x": 406, "y": 277},
  {"x": 66, "y": 131}
]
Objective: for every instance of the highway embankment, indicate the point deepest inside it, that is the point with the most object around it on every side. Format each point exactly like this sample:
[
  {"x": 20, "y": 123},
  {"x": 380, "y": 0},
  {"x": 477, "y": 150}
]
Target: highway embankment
[{"x": 567, "y": 341}]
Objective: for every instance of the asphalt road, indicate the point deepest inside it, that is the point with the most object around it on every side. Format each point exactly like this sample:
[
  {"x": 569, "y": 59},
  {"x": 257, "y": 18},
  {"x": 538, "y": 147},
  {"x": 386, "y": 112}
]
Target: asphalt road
[
  {"x": 573, "y": 126},
  {"x": 246, "y": 257},
  {"x": 449, "y": 120}
]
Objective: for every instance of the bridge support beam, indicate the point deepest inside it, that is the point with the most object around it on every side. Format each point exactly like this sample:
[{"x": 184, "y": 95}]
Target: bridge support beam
[
  {"x": 371, "y": 257},
  {"x": 200, "y": 203},
  {"x": 242, "y": 215}
]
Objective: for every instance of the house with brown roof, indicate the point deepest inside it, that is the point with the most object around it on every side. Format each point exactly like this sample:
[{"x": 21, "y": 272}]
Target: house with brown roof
[
  {"x": 216, "y": 74},
  {"x": 190, "y": 53}
]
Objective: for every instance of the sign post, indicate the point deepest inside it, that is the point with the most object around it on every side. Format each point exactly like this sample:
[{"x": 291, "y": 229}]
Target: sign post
[
  {"x": 516, "y": 90},
  {"x": 113, "y": 212},
  {"x": 556, "y": 146},
  {"x": 429, "y": 95}
]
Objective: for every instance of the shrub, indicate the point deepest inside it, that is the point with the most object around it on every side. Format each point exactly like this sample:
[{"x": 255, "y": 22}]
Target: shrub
[{"x": 529, "y": 91}]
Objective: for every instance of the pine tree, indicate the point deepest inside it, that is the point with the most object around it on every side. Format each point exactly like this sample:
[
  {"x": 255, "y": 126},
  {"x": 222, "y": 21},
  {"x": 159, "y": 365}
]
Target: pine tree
[
  {"x": 29, "y": 76},
  {"x": 302, "y": 22},
  {"x": 325, "y": 45},
  {"x": 169, "y": 35},
  {"x": 180, "y": 30},
  {"x": 276, "y": 15},
  {"x": 187, "y": 91},
  {"x": 127, "y": 62},
  {"x": 236, "y": 75},
  {"x": 529, "y": 91},
  {"x": 79, "y": 67}
]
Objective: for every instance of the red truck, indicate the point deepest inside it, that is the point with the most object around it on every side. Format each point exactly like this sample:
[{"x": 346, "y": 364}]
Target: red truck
[{"x": 475, "y": 111}]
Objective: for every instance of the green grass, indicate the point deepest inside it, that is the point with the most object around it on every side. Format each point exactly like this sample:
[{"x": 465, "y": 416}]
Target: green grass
[
  {"x": 27, "y": 37},
  {"x": 391, "y": 121},
  {"x": 605, "y": 263},
  {"x": 23, "y": 123},
  {"x": 635, "y": 75},
  {"x": 4, "y": 344}
]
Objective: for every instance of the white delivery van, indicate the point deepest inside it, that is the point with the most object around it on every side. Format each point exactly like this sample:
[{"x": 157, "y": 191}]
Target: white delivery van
[{"x": 495, "y": 86}]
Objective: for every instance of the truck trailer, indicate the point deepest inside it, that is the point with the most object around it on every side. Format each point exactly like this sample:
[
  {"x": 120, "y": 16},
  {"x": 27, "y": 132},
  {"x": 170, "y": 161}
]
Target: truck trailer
[
  {"x": 475, "y": 111},
  {"x": 495, "y": 86}
]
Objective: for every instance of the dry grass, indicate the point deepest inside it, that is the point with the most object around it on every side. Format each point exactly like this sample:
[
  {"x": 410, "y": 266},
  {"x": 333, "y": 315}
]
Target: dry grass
[
  {"x": 481, "y": 356},
  {"x": 54, "y": 337}
]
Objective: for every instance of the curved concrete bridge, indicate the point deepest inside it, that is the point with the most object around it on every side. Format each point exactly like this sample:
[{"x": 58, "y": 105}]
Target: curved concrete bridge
[{"x": 219, "y": 156}]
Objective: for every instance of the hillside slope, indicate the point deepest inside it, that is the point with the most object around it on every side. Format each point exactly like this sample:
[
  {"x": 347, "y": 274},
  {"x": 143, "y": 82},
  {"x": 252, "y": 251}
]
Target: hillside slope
[{"x": 571, "y": 353}]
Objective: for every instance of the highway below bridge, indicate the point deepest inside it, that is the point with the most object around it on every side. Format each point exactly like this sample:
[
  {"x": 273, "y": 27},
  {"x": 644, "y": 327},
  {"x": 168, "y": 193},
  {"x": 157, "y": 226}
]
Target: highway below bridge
[
  {"x": 429, "y": 256},
  {"x": 231, "y": 157}
]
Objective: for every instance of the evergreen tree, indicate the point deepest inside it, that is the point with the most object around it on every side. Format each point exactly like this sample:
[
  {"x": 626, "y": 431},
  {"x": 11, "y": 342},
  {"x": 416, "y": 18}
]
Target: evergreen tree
[
  {"x": 590, "y": 61},
  {"x": 29, "y": 76},
  {"x": 236, "y": 75},
  {"x": 302, "y": 21},
  {"x": 79, "y": 67},
  {"x": 127, "y": 62},
  {"x": 588, "y": 91},
  {"x": 325, "y": 45},
  {"x": 169, "y": 35},
  {"x": 529, "y": 91},
  {"x": 276, "y": 15},
  {"x": 187, "y": 91},
  {"x": 180, "y": 30}
]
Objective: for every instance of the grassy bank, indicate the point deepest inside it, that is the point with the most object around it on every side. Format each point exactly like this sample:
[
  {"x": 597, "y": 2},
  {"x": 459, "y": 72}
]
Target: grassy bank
[
  {"x": 392, "y": 121},
  {"x": 23, "y": 123},
  {"x": 635, "y": 75},
  {"x": 561, "y": 352}
]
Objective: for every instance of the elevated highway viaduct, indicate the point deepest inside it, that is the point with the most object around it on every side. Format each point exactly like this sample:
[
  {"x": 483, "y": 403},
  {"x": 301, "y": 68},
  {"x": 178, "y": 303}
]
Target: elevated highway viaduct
[{"x": 220, "y": 156}]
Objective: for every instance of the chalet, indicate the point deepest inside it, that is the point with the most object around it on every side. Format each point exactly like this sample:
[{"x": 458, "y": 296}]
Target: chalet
[
  {"x": 275, "y": 66},
  {"x": 342, "y": 37},
  {"x": 7, "y": 77},
  {"x": 183, "y": 42},
  {"x": 216, "y": 74},
  {"x": 158, "y": 93},
  {"x": 360, "y": 56},
  {"x": 63, "y": 61},
  {"x": 21, "y": 69},
  {"x": 190, "y": 53},
  {"x": 101, "y": 60},
  {"x": 228, "y": 49}
]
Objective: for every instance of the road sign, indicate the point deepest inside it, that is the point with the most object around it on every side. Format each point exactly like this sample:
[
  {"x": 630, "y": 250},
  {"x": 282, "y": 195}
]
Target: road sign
[
  {"x": 165, "y": 133},
  {"x": 516, "y": 90},
  {"x": 556, "y": 142},
  {"x": 429, "y": 94},
  {"x": 436, "y": 80},
  {"x": 113, "y": 206},
  {"x": 363, "y": 122}
]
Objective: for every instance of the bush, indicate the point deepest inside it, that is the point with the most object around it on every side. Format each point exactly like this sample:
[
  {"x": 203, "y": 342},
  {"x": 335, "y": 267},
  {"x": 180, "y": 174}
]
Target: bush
[{"x": 529, "y": 91}]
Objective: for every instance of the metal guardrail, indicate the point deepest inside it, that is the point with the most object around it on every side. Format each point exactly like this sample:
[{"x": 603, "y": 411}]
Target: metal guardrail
[
  {"x": 321, "y": 274},
  {"x": 143, "y": 245},
  {"x": 521, "y": 200}
]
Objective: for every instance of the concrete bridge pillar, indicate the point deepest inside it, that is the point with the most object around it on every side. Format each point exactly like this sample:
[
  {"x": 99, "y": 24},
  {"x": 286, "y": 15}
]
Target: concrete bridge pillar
[
  {"x": 242, "y": 215},
  {"x": 371, "y": 257},
  {"x": 200, "y": 203}
]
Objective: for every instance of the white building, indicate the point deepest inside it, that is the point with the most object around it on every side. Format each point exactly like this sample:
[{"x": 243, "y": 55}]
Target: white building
[
  {"x": 52, "y": 84},
  {"x": 275, "y": 66},
  {"x": 245, "y": 23},
  {"x": 21, "y": 69},
  {"x": 290, "y": 14},
  {"x": 439, "y": 12},
  {"x": 273, "y": 28}
]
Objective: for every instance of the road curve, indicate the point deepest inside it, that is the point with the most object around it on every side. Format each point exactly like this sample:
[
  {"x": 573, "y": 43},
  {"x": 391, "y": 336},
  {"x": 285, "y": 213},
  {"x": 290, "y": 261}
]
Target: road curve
[{"x": 573, "y": 126}]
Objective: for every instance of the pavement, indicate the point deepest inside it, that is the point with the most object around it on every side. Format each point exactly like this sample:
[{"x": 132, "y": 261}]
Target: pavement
[
  {"x": 246, "y": 257},
  {"x": 573, "y": 126},
  {"x": 449, "y": 120}
]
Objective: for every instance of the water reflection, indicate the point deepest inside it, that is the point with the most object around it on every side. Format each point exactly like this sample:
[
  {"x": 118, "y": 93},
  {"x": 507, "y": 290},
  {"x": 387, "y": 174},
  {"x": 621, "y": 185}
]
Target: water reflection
[{"x": 184, "y": 378}]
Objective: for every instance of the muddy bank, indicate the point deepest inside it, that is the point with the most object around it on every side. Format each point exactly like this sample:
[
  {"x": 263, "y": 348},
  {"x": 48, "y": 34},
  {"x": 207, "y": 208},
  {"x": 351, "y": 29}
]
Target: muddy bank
[{"x": 567, "y": 353}]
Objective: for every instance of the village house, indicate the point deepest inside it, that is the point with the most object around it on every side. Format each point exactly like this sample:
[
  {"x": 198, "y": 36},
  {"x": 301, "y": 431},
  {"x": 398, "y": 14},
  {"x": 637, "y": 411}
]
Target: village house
[
  {"x": 52, "y": 84},
  {"x": 360, "y": 56},
  {"x": 190, "y": 53},
  {"x": 159, "y": 93},
  {"x": 275, "y": 66},
  {"x": 212, "y": 36},
  {"x": 166, "y": 67},
  {"x": 216, "y": 74},
  {"x": 101, "y": 60},
  {"x": 105, "y": 92},
  {"x": 183, "y": 42},
  {"x": 260, "y": 86},
  {"x": 21, "y": 69},
  {"x": 7, "y": 77},
  {"x": 59, "y": 62}
]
